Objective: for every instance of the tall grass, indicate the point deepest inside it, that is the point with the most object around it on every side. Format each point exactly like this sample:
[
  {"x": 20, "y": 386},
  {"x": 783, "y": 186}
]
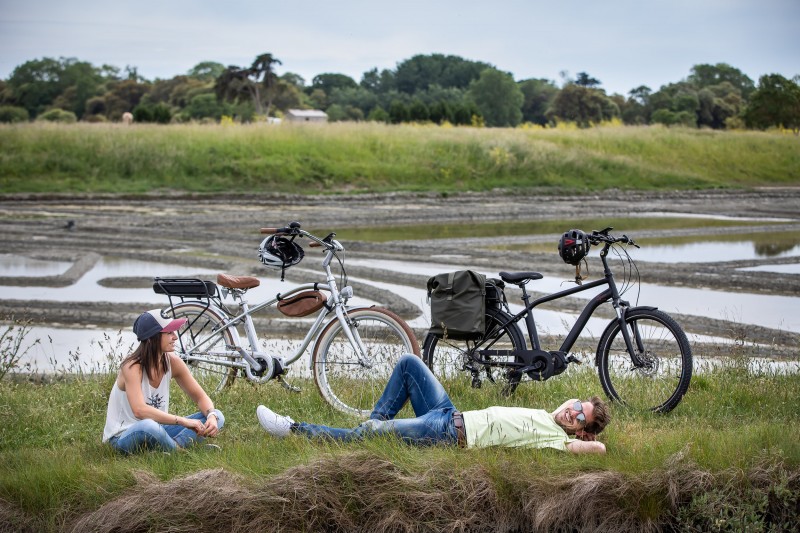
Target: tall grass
[
  {"x": 372, "y": 157},
  {"x": 727, "y": 458}
]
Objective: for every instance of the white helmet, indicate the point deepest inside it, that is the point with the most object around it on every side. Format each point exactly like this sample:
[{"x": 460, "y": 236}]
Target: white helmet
[{"x": 279, "y": 253}]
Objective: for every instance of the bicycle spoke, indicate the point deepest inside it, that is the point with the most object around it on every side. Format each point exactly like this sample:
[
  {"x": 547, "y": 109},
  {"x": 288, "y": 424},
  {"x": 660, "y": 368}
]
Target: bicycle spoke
[
  {"x": 341, "y": 377},
  {"x": 453, "y": 360},
  {"x": 199, "y": 326},
  {"x": 661, "y": 379}
]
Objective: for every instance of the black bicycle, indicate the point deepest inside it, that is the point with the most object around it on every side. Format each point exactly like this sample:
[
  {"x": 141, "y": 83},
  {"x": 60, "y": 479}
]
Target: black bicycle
[{"x": 643, "y": 358}]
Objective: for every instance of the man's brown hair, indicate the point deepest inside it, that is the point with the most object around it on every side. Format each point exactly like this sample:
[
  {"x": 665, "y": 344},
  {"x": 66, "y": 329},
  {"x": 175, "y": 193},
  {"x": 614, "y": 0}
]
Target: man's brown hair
[{"x": 602, "y": 416}]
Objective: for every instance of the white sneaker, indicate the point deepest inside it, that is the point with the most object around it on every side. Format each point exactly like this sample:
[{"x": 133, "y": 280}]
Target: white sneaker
[{"x": 273, "y": 423}]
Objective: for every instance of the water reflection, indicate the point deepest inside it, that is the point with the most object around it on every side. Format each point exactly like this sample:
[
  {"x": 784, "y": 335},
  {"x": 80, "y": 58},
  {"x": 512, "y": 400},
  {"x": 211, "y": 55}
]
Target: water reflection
[
  {"x": 87, "y": 289},
  {"x": 779, "y": 269},
  {"x": 710, "y": 252},
  {"x": 697, "y": 249},
  {"x": 18, "y": 265}
]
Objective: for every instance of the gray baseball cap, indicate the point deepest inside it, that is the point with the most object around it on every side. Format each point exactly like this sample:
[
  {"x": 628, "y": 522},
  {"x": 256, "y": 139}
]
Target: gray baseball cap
[{"x": 152, "y": 323}]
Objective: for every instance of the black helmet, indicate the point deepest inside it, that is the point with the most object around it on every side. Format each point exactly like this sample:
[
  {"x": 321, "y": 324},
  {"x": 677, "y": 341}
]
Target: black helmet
[
  {"x": 279, "y": 253},
  {"x": 573, "y": 246}
]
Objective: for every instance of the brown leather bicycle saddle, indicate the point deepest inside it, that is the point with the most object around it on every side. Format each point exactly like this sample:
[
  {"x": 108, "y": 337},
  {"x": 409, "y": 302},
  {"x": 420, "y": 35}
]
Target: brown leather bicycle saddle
[{"x": 237, "y": 282}]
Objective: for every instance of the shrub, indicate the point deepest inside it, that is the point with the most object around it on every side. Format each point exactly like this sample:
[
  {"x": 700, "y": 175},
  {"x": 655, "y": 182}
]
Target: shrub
[
  {"x": 142, "y": 113},
  {"x": 159, "y": 113},
  {"x": 58, "y": 115},
  {"x": 11, "y": 344},
  {"x": 94, "y": 118},
  {"x": 10, "y": 114},
  {"x": 162, "y": 114}
]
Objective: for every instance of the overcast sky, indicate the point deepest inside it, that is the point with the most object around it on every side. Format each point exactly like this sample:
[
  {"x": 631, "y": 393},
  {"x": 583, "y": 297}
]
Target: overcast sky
[{"x": 622, "y": 43}]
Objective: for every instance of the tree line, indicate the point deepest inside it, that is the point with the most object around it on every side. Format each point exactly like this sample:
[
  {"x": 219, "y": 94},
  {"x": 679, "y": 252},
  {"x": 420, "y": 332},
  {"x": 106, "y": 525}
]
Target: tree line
[{"x": 431, "y": 88}]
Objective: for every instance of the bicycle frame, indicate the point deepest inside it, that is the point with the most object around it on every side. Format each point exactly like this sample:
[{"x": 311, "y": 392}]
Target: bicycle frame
[
  {"x": 245, "y": 317},
  {"x": 610, "y": 293},
  {"x": 258, "y": 365}
]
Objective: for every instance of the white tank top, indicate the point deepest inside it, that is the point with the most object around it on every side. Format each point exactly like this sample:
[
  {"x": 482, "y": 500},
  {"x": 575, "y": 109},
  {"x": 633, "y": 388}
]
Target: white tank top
[{"x": 119, "y": 415}]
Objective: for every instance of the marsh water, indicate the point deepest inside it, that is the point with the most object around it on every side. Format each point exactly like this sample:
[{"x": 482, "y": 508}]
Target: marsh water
[{"x": 89, "y": 346}]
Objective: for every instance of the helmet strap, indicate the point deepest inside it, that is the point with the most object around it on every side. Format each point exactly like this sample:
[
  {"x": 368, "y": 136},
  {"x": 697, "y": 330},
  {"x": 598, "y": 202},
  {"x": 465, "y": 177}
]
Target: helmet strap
[{"x": 578, "y": 277}]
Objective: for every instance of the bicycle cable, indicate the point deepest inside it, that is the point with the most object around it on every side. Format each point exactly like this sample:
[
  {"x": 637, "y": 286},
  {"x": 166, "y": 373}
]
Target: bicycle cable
[
  {"x": 343, "y": 276},
  {"x": 628, "y": 268}
]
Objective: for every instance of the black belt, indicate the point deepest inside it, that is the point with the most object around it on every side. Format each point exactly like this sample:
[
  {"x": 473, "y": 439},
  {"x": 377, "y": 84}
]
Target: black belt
[{"x": 461, "y": 433}]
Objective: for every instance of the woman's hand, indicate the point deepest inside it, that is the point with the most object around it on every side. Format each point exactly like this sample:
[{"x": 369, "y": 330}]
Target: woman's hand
[
  {"x": 192, "y": 423},
  {"x": 211, "y": 428}
]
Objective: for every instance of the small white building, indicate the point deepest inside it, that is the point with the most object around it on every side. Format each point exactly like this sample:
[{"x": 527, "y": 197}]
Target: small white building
[{"x": 306, "y": 115}]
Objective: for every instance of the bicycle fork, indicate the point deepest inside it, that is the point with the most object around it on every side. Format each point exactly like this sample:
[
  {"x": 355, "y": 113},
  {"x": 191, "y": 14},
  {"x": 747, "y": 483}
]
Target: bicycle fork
[
  {"x": 351, "y": 331},
  {"x": 630, "y": 335}
]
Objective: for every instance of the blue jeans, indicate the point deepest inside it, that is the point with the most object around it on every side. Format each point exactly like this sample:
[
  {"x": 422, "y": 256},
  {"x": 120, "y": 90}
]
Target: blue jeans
[
  {"x": 410, "y": 381},
  {"x": 150, "y": 435}
]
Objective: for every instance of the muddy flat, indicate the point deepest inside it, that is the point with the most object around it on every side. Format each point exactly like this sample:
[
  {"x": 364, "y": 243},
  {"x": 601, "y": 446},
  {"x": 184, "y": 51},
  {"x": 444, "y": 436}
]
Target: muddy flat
[{"x": 221, "y": 233}]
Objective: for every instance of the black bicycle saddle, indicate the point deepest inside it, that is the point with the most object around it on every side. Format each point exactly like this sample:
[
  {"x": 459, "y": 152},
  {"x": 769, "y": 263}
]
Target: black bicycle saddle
[{"x": 519, "y": 277}]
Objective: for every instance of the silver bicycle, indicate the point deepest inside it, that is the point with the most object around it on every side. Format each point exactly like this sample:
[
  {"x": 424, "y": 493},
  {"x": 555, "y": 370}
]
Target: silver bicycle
[{"x": 354, "y": 348}]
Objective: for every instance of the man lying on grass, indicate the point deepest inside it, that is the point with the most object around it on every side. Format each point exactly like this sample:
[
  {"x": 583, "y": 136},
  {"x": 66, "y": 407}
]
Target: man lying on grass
[{"x": 438, "y": 421}]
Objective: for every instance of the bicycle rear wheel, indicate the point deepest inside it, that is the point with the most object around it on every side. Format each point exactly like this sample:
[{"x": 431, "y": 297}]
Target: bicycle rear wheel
[
  {"x": 448, "y": 358},
  {"x": 201, "y": 324},
  {"x": 664, "y": 378},
  {"x": 342, "y": 380}
]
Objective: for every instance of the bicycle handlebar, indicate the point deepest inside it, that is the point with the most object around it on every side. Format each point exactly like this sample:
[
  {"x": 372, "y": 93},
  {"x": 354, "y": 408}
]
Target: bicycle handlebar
[
  {"x": 603, "y": 236},
  {"x": 293, "y": 229}
]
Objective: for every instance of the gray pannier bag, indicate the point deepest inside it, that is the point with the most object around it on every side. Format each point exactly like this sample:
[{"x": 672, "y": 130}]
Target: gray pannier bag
[{"x": 458, "y": 304}]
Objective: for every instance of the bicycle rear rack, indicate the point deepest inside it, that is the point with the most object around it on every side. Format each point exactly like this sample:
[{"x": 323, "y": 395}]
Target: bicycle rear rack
[{"x": 187, "y": 288}]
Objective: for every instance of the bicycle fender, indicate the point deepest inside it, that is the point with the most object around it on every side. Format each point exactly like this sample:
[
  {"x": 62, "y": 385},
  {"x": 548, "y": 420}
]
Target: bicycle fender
[{"x": 625, "y": 311}]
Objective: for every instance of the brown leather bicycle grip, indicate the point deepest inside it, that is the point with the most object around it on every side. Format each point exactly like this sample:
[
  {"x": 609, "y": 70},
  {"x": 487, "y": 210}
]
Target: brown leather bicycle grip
[{"x": 269, "y": 230}]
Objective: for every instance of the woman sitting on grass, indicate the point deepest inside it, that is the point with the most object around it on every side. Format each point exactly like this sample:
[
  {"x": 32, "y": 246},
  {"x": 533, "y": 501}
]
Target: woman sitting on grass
[{"x": 138, "y": 415}]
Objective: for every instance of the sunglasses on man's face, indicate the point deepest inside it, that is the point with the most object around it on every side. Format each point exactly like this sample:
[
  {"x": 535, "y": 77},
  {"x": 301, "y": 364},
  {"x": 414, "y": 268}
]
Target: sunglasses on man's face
[{"x": 580, "y": 417}]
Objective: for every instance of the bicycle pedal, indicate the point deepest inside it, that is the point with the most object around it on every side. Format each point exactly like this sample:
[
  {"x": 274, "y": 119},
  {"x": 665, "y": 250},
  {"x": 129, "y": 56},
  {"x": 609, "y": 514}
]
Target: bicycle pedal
[
  {"x": 288, "y": 386},
  {"x": 573, "y": 359}
]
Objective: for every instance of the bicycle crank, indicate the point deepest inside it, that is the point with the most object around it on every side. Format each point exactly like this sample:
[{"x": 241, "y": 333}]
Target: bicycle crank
[{"x": 539, "y": 365}]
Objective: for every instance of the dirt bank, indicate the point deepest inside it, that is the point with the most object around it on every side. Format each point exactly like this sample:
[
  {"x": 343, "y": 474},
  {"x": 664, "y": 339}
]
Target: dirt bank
[{"x": 220, "y": 232}]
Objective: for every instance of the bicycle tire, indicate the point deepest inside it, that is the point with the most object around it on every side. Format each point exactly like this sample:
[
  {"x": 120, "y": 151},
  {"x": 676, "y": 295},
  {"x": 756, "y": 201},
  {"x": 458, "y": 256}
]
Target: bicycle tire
[
  {"x": 449, "y": 358},
  {"x": 202, "y": 322},
  {"x": 342, "y": 381},
  {"x": 658, "y": 386}
]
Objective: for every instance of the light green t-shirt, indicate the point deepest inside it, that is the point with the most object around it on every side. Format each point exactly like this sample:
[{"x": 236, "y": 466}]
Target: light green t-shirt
[{"x": 514, "y": 427}]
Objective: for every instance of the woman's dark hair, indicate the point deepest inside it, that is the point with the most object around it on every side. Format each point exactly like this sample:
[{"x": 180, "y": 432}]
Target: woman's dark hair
[{"x": 150, "y": 357}]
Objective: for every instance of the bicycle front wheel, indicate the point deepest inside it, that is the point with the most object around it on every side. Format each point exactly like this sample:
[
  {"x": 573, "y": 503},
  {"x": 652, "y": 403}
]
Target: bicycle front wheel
[
  {"x": 204, "y": 337},
  {"x": 448, "y": 358},
  {"x": 663, "y": 378},
  {"x": 342, "y": 379}
]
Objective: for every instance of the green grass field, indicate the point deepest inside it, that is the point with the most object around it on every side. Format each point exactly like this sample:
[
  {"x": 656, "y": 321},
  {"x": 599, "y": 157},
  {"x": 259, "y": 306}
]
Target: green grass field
[
  {"x": 726, "y": 459},
  {"x": 337, "y": 158}
]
